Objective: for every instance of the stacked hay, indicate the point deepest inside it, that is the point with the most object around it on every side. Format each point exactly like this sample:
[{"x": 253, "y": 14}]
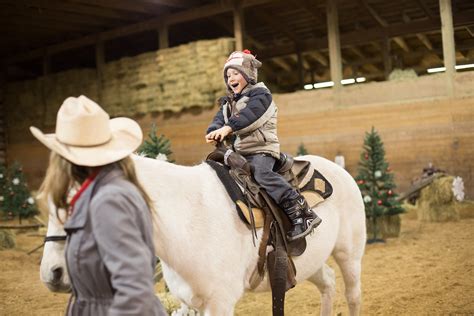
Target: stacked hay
[
  {"x": 170, "y": 79},
  {"x": 23, "y": 104},
  {"x": 402, "y": 74},
  {"x": 31, "y": 101},
  {"x": 437, "y": 202},
  {"x": 59, "y": 86},
  {"x": 7, "y": 239},
  {"x": 191, "y": 75},
  {"x": 129, "y": 85}
]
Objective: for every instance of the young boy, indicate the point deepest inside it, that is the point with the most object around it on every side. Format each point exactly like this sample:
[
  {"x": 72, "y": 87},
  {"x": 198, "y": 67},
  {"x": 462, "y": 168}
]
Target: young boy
[{"x": 250, "y": 114}]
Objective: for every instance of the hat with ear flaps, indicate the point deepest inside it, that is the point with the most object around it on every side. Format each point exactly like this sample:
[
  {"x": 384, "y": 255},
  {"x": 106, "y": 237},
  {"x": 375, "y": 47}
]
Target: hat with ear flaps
[
  {"x": 86, "y": 136},
  {"x": 245, "y": 63}
]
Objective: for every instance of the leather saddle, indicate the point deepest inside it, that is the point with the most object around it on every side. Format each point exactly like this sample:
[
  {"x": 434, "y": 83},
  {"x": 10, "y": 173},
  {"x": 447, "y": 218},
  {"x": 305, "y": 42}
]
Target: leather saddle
[{"x": 244, "y": 191}]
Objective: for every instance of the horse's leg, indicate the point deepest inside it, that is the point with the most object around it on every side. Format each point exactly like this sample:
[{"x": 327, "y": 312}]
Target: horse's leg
[
  {"x": 325, "y": 280},
  {"x": 350, "y": 265},
  {"x": 218, "y": 308}
]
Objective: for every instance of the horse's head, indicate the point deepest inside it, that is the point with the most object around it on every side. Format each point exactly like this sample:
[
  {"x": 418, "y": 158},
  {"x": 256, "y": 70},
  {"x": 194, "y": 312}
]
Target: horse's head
[{"x": 53, "y": 270}]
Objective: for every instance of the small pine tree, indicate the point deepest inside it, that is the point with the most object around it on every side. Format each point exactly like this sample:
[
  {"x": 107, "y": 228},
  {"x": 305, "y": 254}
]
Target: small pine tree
[
  {"x": 376, "y": 182},
  {"x": 18, "y": 199},
  {"x": 301, "y": 151},
  {"x": 3, "y": 189},
  {"x": 157, "y": 147}
]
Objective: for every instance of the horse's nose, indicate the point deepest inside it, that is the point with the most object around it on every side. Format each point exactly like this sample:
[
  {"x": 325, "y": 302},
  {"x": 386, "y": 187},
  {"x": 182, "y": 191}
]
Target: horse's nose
[{"x": 57, "y": 274}]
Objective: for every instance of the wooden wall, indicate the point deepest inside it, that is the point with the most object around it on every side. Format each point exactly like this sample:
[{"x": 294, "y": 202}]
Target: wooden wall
[{"x": 417, "y": 122}]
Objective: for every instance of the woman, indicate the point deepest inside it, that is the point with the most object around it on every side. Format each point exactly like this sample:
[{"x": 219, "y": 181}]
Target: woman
[{"x": 109, "y": 250}]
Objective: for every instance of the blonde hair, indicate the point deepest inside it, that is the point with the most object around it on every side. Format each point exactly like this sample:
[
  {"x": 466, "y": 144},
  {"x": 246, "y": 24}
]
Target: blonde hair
[{"x": 62, "y": 176}]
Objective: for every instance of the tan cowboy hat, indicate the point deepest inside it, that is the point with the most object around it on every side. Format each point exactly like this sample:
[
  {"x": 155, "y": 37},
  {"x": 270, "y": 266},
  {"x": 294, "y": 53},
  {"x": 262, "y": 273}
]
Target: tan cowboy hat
[{"x": 86, "y": 136}]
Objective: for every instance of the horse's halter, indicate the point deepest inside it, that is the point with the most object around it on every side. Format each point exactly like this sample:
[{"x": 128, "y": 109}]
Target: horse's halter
[{"x": 55, "y": 238}]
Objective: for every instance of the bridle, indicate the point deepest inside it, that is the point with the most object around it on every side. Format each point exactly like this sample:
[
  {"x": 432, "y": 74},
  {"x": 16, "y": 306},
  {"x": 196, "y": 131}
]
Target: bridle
[{"x": 55, "y": 238}]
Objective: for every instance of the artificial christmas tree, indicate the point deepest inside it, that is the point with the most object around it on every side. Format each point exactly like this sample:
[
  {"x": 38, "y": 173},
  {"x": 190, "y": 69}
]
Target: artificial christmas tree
[
  {"x": 158, "y": 147},
  {"x": 18, "y": 200},
  {"x": 376, "y": 183},
  {"x": 3, "y": 190},
  {"x": 301, "y": 150}
]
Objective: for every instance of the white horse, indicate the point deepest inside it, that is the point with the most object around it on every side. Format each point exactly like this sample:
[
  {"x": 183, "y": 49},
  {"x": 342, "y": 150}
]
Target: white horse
[{"x": 207, "y": 252}]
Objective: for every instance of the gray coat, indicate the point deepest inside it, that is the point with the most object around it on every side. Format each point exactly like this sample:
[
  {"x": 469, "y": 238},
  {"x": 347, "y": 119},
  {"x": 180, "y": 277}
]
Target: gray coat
[{"x": 109, "y": 252}]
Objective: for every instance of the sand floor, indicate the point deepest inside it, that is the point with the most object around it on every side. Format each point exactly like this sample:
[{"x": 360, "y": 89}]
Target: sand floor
[{"x": 429, "y": 270}]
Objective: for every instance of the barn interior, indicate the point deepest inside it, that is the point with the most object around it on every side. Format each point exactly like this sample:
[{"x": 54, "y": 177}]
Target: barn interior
[{"x": 307, "y": 46}]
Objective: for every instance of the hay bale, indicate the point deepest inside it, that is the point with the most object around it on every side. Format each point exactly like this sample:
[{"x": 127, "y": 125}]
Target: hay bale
[
  {"x": 466, "y": 209},
  {"x": 410, "y": 211},
  {"x": 7, "y": 239},
  {"x": 402, "y": 74},
  {"x": 437, "y": 202}
]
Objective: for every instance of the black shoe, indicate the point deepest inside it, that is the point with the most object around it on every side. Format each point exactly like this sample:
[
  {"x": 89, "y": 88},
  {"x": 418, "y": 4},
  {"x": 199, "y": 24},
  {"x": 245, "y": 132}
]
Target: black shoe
[{"x": 303, "y": 219}]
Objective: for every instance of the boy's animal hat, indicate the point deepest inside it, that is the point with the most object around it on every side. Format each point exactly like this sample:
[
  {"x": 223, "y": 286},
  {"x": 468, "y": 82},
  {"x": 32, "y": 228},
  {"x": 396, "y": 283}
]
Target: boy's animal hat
[{"x": 245, "y": 63}]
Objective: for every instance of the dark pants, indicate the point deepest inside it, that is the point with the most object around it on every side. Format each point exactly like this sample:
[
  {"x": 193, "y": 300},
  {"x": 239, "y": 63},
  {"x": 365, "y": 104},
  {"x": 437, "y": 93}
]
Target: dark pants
[{"x": 275, "y": 185}]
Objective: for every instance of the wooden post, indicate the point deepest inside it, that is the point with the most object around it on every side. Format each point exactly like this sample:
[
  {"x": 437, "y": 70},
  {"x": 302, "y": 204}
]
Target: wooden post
[
  {"x": 163, "y": 36},
  {"x": 238, "y": 25},
  {"x": 334, "y": 44},
  {"x": 447, "y": 32},
  {"x": 300, "y": 70},
  {"x": 387, "y": 58},
  {"x": 99, "y": 63}
]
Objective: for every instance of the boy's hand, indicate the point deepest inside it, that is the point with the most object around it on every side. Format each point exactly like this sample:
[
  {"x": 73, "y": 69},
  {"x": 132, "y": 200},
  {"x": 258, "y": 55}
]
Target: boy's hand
[{"x": 218, "y": 134}]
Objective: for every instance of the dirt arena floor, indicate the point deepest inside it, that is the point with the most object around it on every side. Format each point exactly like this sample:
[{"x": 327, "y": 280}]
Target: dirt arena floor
[{"x": 429, "y": 270}]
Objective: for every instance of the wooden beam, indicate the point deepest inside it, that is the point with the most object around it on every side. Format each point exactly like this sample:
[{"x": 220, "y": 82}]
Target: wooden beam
[
  {"x": 163, "y": 36},
  {"x": 142, "y": 7},
  {"x": 449, "y": 54},
  {"x": 300, "y": 69},
  {"x": 296, "y": 58},
  {"x": 425, "y": 9},
  {"x": 334, "y": 44},
  {"x": 387, "y": 59},
  {"x": 371, "y": 36},
  {"x": 280, "y": 62},
  {"x": 174, "y": 3},
  {"x": 152, "y": 24},
  {"x": 400, "y": 41},
  {"x": 470, "y": 30},
  {"x": 357, "y": 51},
  {"x": 320, "y": 58},
  {"x": 422, "y": 37},
  {"x": 374, "y": 13},
  {"x": 76, "y": 8},
  {"x": 238, "y": 24}
]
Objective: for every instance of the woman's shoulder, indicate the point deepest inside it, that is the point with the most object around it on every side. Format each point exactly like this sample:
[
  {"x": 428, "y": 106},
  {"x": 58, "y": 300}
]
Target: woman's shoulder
[{"x": 117, "y": 192}]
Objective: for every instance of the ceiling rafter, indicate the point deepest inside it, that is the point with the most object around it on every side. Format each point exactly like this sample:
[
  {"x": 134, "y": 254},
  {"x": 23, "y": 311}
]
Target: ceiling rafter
[
  {"x": 422, "y": 37},
  {"x": 279, "y": 61},
  {"x": 370, "y": 36},
  {"x": 398, "y": 39},
  {"x": 151, "y": 24},
  {"x": 186, "y": 4},
  {"x": 79, "y": 9}
]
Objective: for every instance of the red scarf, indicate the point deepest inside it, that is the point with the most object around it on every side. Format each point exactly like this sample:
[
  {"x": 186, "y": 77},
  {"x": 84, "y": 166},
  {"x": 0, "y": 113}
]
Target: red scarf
[{"x": 83, "y": 187}]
